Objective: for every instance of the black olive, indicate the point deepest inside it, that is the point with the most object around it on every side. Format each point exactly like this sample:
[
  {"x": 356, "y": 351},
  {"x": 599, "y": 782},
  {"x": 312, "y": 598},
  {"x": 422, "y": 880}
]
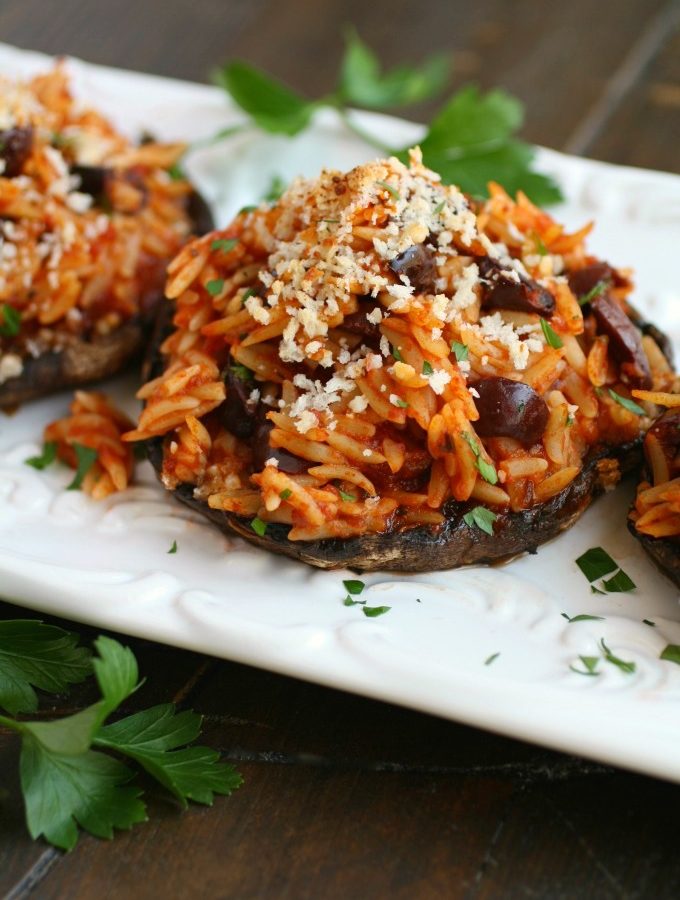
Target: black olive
[
  {"x": 357, "y": 323},
  {"x": 505, "y": 292},
  {"x": 510, "y": 409},
  {"x": 92, "y": 179},
  {"x": 238, "y": 410},
  {"x": 666, "y": 430},
  {"x": 625, "y": 340},
  {"x": 262, "y": 451},
  {"x": 419, "y": 266},
  {"x": 15, "y": 146}
]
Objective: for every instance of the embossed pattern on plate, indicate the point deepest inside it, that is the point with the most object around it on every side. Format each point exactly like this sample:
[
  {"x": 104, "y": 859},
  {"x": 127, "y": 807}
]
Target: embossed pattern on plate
[{"x": 107, "y": 563}]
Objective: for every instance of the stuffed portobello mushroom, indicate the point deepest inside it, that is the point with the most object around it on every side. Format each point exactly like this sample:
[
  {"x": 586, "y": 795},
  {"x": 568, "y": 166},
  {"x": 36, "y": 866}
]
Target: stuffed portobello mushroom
[
  {"x": 655, "y": 516},
  {"x": 378, "y": 372},
  {"x": 88, "y": 224}
]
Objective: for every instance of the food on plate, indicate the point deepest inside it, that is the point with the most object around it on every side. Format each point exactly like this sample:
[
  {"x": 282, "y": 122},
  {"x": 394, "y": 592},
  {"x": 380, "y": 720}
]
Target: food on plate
[
  {"x": 88, "y": 223},
  {"x": 655, "y": 516},
  {"x": 89, "y": 440},
  {"x": 377, "y": 371}
]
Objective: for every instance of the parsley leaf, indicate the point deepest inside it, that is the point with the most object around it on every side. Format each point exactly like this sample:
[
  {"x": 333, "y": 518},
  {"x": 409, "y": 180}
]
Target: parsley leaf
[
  {"x": 582, "y": 618},
  {"x": 552, "y": 338},
  {"x": 671, "y": 652},
  {"x": 492, "y": 658},
  {"x": 354, "y": 587},
  {"x": 173, "y": 549},
  {"x": 627, "y": 403},
  {"x": 594, "y": 292},
  {"x": 482, "y": 517},
  {"x": 628, "y": 667},
  {"x": 461, "y": 351},
  {"x": 350, "y": 498},
  {"x": 485, "y": 469},
  {"x": 390, "y": 188},
  {"x": 276, "y": 188},
  {"x": 214, "y": 286},
  {"x": 285, "y": 493},
  {"x": 362, "y": 84},
  {"x": 11, "y": 321},
  {"x": 35, "y": 655},
  {"x": 349, "y": 602},
  {"x": 590, "y": 664},
  {"x": 273, "y": 106},
  {"x": 224, "y": 244},
  {"x": 152, "y": 737},
  {"x": 595, "y": 563},
  {"x": 46, "y": 458},
  {"x": 372, "y": 612},
  {"x": 85, "y": 459},
  {"x": 396, "y": 354},
  {"x": 619, "y": 583},
  {"x": 427, "y": 369},
  {"x": 258, "y": 526}
]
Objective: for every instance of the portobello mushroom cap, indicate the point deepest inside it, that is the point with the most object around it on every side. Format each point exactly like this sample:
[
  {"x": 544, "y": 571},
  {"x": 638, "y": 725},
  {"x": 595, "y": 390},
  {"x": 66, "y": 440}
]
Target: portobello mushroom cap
[
  {"x": 665, "y": 552},
  {"x": 424, "y": 548},
  {"x": 82, "y": 360}
]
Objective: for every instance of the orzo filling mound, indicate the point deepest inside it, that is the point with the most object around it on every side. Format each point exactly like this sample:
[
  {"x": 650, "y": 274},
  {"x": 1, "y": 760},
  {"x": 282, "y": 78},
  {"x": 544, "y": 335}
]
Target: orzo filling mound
[
  {"x": 376, "y": 348},
  {"x": 88, "y": 222}
]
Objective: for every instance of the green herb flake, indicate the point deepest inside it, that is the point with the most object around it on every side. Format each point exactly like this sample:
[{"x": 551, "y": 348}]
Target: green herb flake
[
  {"x": 273, "y": 106},
  {"x": 649, "y": 622},
  {"x": 595, "y": 590},
  {"x": 243, "y": 373},
  {"x": 396, "y": 354},
  {"x": 552, "y": 338},
  {"x": 627, "y": 403},
  {"x": 173, "y": 549},
  {"x": 11, "y": 321},
  {"x": 374, "y": 611},
  {"x": 582, "y": 617},
  {"x": 246, "y": 209},
  {"x": 285, "y": 493},
  {"x": 176, "y": 172},
  {"x": 85, "y": 459},
  {"x": 594, "y": 292},
  {"x": 595, "y": 563},
  {"x": 671, "y": 653},
  {"x": 620, "y": 583},
  {"x": 481, "y": 517},
  {"x": 224, "y": 244},
  {"x": 349, "y": 602},
  {"x": 390, "y": 188},
  {"x": 251, "y": 292},
  {"x": 275, "y": 190},
  {"x": 490, "y": 659},
  {"x": 354, "y": 586},
  {"x": 401, "y": 403},
  {"x": 439, "y": 208},
  {"x": 348, "y": 498},
  {"x": 461, "y": 351},
  {"x": 258, "y": 526},
  {"x": 46, "y": 458},
  {"x": 541, "y": 249},
  {"x": 589, "y": 664},
  {"x": 628, "y": 667},
  {"x": 427, "y": 369},
  {"x": 485, "y": 469},
  {"x": 214, "y": 287}
]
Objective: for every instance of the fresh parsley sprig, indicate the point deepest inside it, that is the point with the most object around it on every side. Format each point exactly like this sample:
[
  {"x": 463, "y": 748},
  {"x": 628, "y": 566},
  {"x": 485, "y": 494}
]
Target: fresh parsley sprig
[
  {"x": 68, "y": 777},
  {"x": 470, "y": 141}
]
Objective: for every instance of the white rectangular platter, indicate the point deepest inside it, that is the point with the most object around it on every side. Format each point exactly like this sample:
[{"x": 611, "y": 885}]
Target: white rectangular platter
[{"x": 107, "y": 563}]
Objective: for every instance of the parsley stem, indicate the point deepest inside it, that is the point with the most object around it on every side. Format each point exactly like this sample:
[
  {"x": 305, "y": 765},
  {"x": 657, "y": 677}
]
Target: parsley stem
[{"x": 349, "y": 123}]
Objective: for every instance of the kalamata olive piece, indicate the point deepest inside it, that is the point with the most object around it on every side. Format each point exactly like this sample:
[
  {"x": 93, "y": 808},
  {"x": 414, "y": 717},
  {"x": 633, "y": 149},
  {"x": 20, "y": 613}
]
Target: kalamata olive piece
[
  {"x": 357, "y": 323},
  {"x": 510, "y": 409},
  {"x": 92, "y": 179},
  {"x": 15, "y": 146},
  {"x": 666, "y": 430},
  {"x": 419, "y": 266},
  {"x": 506, "y": 292},
  {"x": 584, "y": 280},
  {"x": 262, "y": 451},
  {"x": 238, "y": 410},
  {"x": 625, "y": 340}
]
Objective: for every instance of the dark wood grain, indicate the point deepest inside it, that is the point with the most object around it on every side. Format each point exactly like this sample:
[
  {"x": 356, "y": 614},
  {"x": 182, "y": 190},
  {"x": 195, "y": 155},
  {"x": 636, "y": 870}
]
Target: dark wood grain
[{"x": 347, "y": 797}]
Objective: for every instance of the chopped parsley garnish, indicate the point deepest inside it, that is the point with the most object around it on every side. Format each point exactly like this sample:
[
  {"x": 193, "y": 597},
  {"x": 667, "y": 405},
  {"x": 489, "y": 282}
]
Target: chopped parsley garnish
[
  {"x": 224, "y": 244},
  {"x": 595, "y": 563},
  {"x": 46, "y": 458},
  {"x": 349, "y": 602},
  {"x": 251, "y": 292},
  {"x": 374, "y": 611},
  {"x": 541, "y": 249},
  {"x": 173, "y": 549},
  {"x": 348, "y": 498},
  {"x": 176, "y": 172},
  {"x": 390, "y": 188},
  {"x": 214, "y": 286},
  {"x": 397, "y": 355},
  {"x": 490, "y": 659},
  {"x": 258, "y": 526},
  {"x": 276, "y": 188},
  {"x": 243, "y": 373},
  {"x": 401, "y": 403},
  {"x": 285, "y": 493},
  {"x": 671, "y": 652},
  {"x": 246, "y": 209},
  {"x": 590, "y": 665},
  {"x": 552, "y": 338},
  {"x": 583, "y": 617},
  {"x": 593, "y": 293},
  {"x": 461, "y": 351},
  {"x": 482, "y": 517},
  {"x": 649, "y": 622},
  {"x": 354, "y": 587},
  {"x": 85, "y": 459},
  {"x": 439, "y": 207},
  {"x": 628, "y": 667},
  {"x": 11, "y": 321},
  {"x": 485, "y": 469},
  {"x": 427, "y": 369},
  {"x": 627, "y": 403}
]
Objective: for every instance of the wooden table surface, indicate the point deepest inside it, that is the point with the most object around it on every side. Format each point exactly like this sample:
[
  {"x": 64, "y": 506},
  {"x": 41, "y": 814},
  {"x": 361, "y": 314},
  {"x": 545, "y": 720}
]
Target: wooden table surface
[{"x": 346, "y": 797}]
